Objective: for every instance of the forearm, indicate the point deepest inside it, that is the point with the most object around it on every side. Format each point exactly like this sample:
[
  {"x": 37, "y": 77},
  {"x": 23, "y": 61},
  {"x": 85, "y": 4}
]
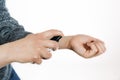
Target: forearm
[
  {"x": 10, "y": 30},
  {"x": 4, "y": 56}
]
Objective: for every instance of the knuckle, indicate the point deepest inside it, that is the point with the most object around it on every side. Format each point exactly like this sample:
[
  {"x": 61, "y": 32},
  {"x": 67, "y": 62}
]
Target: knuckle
[
  {"x": 35, "y": 57},
  {"x": 47, "y": 56}
]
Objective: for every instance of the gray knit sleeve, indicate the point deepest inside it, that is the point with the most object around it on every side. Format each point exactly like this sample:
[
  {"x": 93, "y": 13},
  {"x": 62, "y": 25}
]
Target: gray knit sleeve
[{"x": 10, "y": 30}]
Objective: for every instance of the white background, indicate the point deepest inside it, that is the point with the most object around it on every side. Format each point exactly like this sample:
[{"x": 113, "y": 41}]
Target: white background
[{"x": 98, "y": 18}]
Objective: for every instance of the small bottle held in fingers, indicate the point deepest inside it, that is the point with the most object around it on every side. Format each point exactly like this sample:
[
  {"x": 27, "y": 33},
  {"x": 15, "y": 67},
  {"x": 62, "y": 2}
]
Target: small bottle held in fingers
[{"x": 55, "y": 38}]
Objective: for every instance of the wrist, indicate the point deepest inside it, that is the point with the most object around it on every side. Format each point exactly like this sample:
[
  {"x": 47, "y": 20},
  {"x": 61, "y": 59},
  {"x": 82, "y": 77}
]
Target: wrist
[
  {"x": 5, "y": 57},
  {"x": 64, "y": 42}
]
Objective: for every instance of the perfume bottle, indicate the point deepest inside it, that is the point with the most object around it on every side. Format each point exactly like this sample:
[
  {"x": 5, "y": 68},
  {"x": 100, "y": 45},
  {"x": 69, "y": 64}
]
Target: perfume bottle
[{"x": 55, "y": 38}]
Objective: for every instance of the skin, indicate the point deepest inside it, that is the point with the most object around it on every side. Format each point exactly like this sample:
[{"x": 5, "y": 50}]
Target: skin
[
  {"x": 34, "y": 47},
  {"x": 84, "y": 45}
]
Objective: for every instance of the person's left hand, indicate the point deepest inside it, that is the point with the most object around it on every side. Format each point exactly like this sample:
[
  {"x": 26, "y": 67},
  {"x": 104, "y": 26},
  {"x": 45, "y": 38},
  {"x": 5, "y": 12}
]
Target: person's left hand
[{"x": 84, "y": 45}]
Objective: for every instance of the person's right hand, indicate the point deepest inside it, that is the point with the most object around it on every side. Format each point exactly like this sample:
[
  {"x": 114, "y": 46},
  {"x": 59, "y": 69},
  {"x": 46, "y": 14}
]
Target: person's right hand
[{"x": 32, "y": 48}]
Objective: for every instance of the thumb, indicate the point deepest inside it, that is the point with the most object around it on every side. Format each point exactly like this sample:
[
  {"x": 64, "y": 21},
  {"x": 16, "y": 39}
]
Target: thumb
[{"x": 79, "y": 49}]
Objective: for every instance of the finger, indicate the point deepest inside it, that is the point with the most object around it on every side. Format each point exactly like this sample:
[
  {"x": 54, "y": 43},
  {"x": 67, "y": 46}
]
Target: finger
[
  {"x": 45, "y": 54},
  {"x": 50, "y": 44},
  {"x": 101, "y": 48},
  {"x": 99, "y": 41},
  {"x": 50, "y": 33},
  {"x": 37, "y": 60},
  {"x": 92, "y": 51}
]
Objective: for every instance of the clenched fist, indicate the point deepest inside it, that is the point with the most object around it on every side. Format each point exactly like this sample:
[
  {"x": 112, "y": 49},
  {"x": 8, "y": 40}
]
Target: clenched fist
[{"x": 84, "y": 45}]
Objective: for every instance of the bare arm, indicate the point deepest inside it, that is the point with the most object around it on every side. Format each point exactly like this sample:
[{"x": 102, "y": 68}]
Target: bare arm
[
  {"x": 32, "y": 48},
  {"x": 84, "y": 45}
]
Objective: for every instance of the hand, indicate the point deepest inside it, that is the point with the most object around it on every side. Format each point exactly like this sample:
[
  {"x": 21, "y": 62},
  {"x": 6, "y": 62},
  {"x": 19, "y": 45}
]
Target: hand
[
  {"x": 83, "y": 45},
  {"x": 32, "y": 48}
]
